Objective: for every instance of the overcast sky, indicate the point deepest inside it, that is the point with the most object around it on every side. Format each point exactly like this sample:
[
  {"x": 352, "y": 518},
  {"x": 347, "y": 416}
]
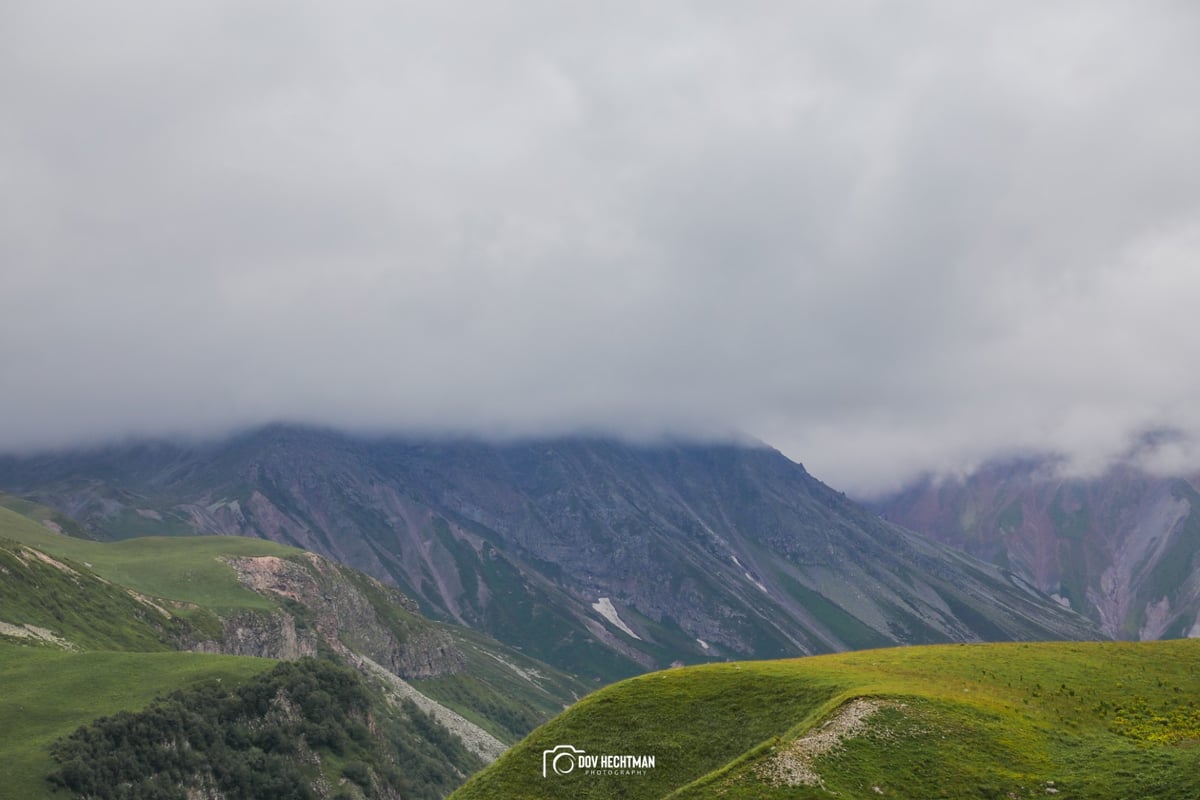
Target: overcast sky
[{"x": 883, "y": 237}]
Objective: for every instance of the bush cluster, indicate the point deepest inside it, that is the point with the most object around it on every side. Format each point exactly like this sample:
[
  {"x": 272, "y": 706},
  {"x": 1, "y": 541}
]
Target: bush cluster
[{"x": 259, "y": 740}]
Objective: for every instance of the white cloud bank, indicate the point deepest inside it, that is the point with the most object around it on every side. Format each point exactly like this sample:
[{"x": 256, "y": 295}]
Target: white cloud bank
[{"x": 882, "y": 238}]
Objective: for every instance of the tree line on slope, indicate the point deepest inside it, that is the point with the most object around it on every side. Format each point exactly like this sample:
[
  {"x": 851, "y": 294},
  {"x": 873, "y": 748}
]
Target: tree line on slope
[{"x": 305, "y": 722}]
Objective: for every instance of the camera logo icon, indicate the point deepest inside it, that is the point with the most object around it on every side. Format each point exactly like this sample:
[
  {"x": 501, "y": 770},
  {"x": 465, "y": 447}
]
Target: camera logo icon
[{"x": 560, "y": 760}]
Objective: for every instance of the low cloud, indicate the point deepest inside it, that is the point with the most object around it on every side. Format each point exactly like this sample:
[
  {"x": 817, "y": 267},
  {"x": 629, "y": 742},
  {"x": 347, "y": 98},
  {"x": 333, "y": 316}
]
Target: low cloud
[{"x": 886, "y": 242}]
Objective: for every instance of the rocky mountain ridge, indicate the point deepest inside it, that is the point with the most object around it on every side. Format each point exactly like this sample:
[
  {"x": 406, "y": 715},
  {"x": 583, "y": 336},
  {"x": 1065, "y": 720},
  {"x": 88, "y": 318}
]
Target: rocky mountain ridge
[
  {"x": 1122, "y": 547},
  {"x": 331, "y": 606},
  {"x": 600, "y": 557}
]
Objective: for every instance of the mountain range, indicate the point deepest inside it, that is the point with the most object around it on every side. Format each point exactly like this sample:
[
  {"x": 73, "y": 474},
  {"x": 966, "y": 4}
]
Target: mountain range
[
  {"x": 588, "y": 560},
  {"x": 1120, "y": 547},
  {"x": 601, "y": 557}
]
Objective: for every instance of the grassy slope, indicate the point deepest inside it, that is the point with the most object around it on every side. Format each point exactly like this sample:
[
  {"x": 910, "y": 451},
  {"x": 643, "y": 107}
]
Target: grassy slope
[
  {"x": 189, "y": 570},
  {"x": 184, "y": 569},
  {"x": 501, "y": 690},
  {"x": 1100, "y": 720},
  {"x": 38, "y": 512},
  {"x": 86, "y": 611},
  {"x": 48, "y": 693}
]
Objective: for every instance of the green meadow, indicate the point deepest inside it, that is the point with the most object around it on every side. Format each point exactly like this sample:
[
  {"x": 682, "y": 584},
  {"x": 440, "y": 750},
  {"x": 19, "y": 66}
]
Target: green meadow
[
  {"x": 1066, "y": 720},
  {"x": 49, "y": 693},
  {"x": 184, "y": 569}
]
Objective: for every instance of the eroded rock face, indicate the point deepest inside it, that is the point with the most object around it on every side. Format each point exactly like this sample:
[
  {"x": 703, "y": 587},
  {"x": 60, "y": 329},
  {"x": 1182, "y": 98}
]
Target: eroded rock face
[
  {"x": 1118, "y": 547},
  {"x": 324, "y": 603},
  {"x": 260, "y": 634}
]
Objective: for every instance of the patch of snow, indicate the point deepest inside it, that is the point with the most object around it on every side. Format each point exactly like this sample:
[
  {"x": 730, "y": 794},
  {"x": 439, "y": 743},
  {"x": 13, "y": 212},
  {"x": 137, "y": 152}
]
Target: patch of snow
[
  {"x": 703, "y": 644},
  {"x": 605, "y": 608},
  {"x": 1062, "y": 601},
  {"x": 750, "y": 578}
]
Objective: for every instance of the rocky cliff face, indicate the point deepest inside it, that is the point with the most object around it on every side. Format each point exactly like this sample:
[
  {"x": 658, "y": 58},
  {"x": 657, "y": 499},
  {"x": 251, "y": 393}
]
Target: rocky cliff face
[
  {"x": 1121, "y": 548},
  {"x": 331, "y": 606},
  {"x": 602, "y": 558},
  {"x": 261, "y": 634}
]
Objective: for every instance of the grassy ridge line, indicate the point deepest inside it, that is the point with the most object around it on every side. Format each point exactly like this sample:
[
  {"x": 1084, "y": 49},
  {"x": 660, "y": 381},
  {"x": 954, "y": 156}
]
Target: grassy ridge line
[
  {"x": 38, "y": 512},
  {"x": 759, "y": 750},
  {"x": 48, "y": 694},
  {"x": 1099, "y": 720},
  {"x": 1090, "y": 720},
  {"x": 691, "y": 720},
  {"x": 182, "y": 569},
  {"x": 80, "y": 609}
]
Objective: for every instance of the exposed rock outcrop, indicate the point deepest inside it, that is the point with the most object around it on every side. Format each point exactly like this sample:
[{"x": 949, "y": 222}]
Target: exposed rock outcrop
[
  {"x": 1120, "y": 547},
  {"x": 324, "y": 603},
  {"x": 355, "y": 612},
  {"x": 262, "y": 634}
]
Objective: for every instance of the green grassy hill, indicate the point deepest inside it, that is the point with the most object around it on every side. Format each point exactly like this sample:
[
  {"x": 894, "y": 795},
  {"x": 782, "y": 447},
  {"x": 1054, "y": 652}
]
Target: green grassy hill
[
  {"x": 78, "y": 591},
  {"x": 1066, "y": 720},
  {"x": 44, "y": 514},
  {"x": 184, "y": 569},
  {"x": 503, "y": 690},
  {"x": 88, "y": 629},
  {"x": 49, "y": 693}
]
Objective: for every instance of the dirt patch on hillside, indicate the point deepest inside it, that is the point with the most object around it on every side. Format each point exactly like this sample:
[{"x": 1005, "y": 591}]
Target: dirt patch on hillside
[
  {"x": 792, "y": 764},
  {"x": 27, "y": 631},
  {"x": 45, "y": 559},
  {"x": 269, "y": 575},
  {"x": 147, "y": 601}
]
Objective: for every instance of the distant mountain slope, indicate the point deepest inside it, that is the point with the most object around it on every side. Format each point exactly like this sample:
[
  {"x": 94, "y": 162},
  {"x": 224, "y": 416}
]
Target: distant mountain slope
[
  {"x": 1123, "y": 548},
  {"x": 1101, "y": 720},
  {"x": 599, "y": 557}
]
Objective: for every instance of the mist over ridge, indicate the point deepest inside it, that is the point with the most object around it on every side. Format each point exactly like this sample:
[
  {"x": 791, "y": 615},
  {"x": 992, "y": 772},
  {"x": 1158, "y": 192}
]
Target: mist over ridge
[{"x": 886, "y": 244}]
